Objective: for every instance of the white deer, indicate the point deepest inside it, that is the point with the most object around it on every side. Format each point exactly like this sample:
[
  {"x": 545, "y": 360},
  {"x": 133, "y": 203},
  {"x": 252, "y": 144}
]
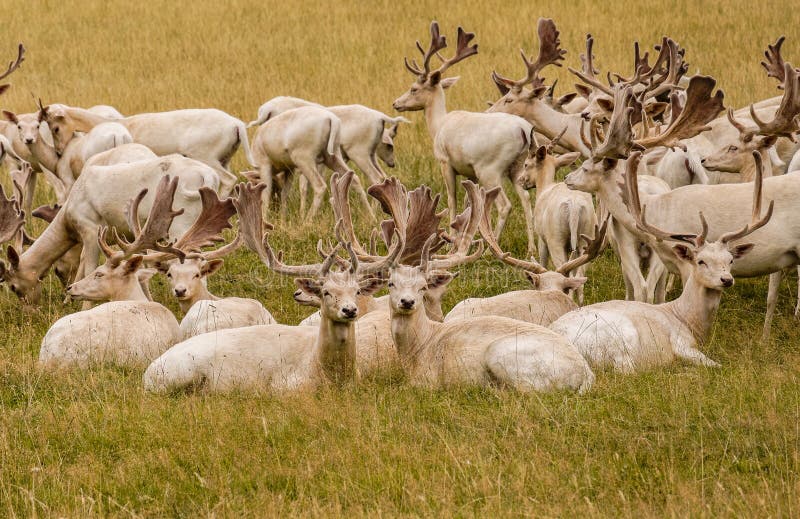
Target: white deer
[{"x": 486, "y": 147}]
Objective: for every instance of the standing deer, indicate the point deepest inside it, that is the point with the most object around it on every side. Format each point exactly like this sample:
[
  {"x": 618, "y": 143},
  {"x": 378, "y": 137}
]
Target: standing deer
[{"x": 486, "y": 147}]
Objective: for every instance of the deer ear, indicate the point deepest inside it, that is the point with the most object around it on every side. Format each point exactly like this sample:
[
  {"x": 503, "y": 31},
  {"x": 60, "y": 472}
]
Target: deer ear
[
  {"x": 575, "y": 283},
  {"x": 370, "y": 286},
  {"x": 209, "y": 267},
  {"x": 768, "y": 141},
  {"x": 567, "y": 159},
  {"x": 446, "y": 82},
  {"x": 537, "y": 92},
  {"x": 605, "y": 104},
  {"x": 439, "y": 278},
  {"x": 609, "y": 164},
  {"x": 133, "y": 264},
  {"x": 309, "y": 286},
  {"x": 683, "y": 252},
  {"x": 583, "y": 90},
  {"x": 502, "y": 87},
  {"x": 13, "y": 257},
  {"x": 10, "y": 116},
  {"x": 740, "y": 250},
  {"x": 541, "y": 153},
  {"x": 162, "y": 266},
  {"x": 566, "y": 98},
  {"x": 535, "y": 279}
]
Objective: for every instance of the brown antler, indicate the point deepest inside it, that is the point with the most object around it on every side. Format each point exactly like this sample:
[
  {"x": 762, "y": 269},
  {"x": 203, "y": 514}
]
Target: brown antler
[
  {"x": 593, "y": 247},
  {"x": 785, "y": 122},
  {"x": 214, "y": 218},
  {"x": 340, "y": 187},
  {"x": 638, "y": 211},
  {"x": 465, "y": 226},
  {"x": 12, "y": 218},
  {"x": 756, "y": 221},
  {"x": 774, "y": 64},
  {"x": 14, "y": 65},
  {"x": 619, "y": 137},
  {"x": 438, "y": 43},
  {"x": 550, "y": 53},
  {"x": 157, "y": 225}
]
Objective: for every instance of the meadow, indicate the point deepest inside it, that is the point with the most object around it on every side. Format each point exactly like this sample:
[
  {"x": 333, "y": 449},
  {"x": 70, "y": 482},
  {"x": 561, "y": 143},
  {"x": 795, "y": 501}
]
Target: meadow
[{"x": 682, "y": 441}]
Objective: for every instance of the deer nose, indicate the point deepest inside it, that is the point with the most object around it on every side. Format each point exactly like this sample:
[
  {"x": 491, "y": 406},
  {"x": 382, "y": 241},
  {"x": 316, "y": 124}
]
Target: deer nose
[
  {"x": 727, "y": 281},
  {"x": 28, "y": 141},
  {"x": 702, "y": 161},
  {"x": 350, "y": 311},
  {"x": 69, "y": 288},
  {"x": 180, "y": 292},
  {"x": 585, "y": 115},
  {"x": 407, "y": 304}
]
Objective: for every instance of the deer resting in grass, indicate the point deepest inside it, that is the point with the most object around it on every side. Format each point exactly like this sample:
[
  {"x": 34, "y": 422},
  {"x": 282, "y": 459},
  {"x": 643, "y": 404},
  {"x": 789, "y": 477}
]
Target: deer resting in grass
[
  {"x": 632, "y": 336},
  {"x": 486, "y": 147}
]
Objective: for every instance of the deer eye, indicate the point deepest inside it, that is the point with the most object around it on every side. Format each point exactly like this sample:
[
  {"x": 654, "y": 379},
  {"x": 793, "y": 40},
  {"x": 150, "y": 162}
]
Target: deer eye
[
  {"x": 169, "y": 275},
  {"x": 196, "y": 276},
  {"x": 508, "y": 100},
  {"x": 326, "y": 293},
  {"x": 390, "y": 284},
  {"x": 733, "y": 149},
  {"x": 701, "y": 262},
  {"x": 423, "y": 289},
  {"x": 98, "y": 275},
  {"x": 55, "y": 130}
]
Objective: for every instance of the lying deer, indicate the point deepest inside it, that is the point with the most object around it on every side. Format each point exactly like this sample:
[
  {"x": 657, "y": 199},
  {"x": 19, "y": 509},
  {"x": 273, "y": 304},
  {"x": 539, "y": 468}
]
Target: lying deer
[
  {"x": 631, "y": 336},
  {"x": 278, "y": 357},
  {"x": 131, "y": 329},
  {"x": 486, "y": 147}
]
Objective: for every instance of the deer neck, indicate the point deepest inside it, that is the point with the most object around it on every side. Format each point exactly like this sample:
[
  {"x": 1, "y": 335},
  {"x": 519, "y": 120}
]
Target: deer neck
[
  {"x": 435, "y": 112},
  {"x": 131, "y": 291},
  {"x": 44, "y": 154},
  {"x": 549, "y": 122},
  {"x": 433, "y": 308},
  {"x": 545, "y": 179},
  {"x": 336, "y": 349},
  {"x": 202, "y": 295},
  {"x": 50, "y": 246},
  {"x": 84, "y": 120},
  {"x": 610, "y": 194},
  {"x": 696, "y": 307},
  {"x": 411, "y": 333}
]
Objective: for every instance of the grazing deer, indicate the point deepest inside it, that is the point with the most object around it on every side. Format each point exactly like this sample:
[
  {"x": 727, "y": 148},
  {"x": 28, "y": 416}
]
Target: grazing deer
[
  {"x": 129, "y": 330},
  {"x": 632, "y": 336},
  {"x": 549, "y": 297},
  {"x": 98, "y": 199},
  {"x": 208, "y": 135},
  {"x": 278, "y": 357},
  {"x": 486, "y": 147}
]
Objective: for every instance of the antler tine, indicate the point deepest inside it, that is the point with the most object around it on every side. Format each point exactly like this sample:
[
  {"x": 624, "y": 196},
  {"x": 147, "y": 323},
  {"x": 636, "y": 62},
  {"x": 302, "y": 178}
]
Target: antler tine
[
  {"x": 587, "y": 60},
  {"x": 669, "y": 80},
  {"x": 619, "y": 137},
  {"x": 463, "y": 50},
  {"x": 224, "y": 250},
  {"x": 785, "y": 122},
  {"x": 393, "y": 197},
  {"x": 158, "y": 221},
  {"x": 423, "y": 222},
  {"x": 774, "y": 64},
  {"x": 592, "y": 81},
  {"x": 593, "y": 247},
  {"x": 14, "y": 65},
  {"x": 466, "y": 226},
  {"x": 276, "y": 264},
  {"x": 554, "y": 141},
  {"x": 252, "y": 227},
  {"x": 638, "y": 211},
  {"x": 340, "y": 187},
  {"x": 736, "y": 124},
  {"x": 214, "y": 218},
  {"x": 112, "y": 256},
  {"x": 385, "y": 262},
  {"x": 700, "y": 108},
  {"x": 550, "y": 53},
  {"x": 485, "y": 230},
  {"x": 438, "y": 43},
  {"x": 756, "y": 221},
  {"x": 11, "y": 217}
]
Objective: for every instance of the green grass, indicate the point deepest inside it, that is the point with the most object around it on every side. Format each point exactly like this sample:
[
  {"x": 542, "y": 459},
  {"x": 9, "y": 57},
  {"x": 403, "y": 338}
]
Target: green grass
[{"x": 682, "y": 441}]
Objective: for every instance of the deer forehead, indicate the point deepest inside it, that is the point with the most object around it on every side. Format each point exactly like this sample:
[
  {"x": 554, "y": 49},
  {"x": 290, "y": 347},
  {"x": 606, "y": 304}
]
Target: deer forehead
[
  {"x": 715, "y": 253},
  {"x": 189, "y": 267},
  {"x": 407, "y": 277},
  {"x": 340, "y": 282}
]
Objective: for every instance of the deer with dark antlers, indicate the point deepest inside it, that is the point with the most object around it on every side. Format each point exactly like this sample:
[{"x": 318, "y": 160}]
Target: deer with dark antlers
[
  {"x": 485, "y": 147},
  {"x": 631, "y": 336},
  {"x": 130, "y": 329},
  {"x": 274, "y": 356}
]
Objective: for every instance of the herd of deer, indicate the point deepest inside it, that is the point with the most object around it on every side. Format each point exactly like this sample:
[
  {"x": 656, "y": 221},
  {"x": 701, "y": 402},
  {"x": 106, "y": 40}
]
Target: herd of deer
[{"x": 677, "y": 189}]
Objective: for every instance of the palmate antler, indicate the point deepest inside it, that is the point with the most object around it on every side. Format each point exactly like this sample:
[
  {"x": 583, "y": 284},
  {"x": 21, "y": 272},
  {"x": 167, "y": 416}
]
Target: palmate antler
[
  {"x": 465, "y": 225},
  {"x": 155, "y": 229},
  {"x": 550, "y": 53},
  {"x": 438, "y": 43}
]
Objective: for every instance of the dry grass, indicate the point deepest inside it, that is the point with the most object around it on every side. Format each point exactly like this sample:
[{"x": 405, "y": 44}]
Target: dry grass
[{"x": 681, "y": 441}]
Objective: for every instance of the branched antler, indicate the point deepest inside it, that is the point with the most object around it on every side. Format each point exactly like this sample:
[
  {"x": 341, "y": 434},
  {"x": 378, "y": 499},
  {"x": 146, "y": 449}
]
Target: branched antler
[
  {"x": 438, "y": 43},
  {"x": 550, "y": 53}
]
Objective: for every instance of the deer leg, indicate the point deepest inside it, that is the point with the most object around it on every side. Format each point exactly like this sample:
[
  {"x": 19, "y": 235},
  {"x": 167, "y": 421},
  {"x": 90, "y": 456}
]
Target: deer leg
[
  {"x": 797, "y": 306},
  {"x": 90, "y": 255},
  {"x": 449, "y": 177},
  {"x": 693, "y": 355},
  {"x": 302, "y": 187},
  {"x": 527, "y": 210},
  {"x": 503, "y": 205},
  {"x": 317, "y": 181},
  {"x": 772, "y": 301},
  {"x": 544, "y": 252},
  {"x": 580, "y": 271},
  {"x": 656, "y": 280},
  {"x": 227, "y": 180},
  {"x": 366, "y": 162}
]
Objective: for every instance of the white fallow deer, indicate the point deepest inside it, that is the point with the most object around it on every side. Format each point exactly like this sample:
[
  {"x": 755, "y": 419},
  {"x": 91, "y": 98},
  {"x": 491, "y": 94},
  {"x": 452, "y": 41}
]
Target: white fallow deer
[
  {"x": 300, "y": 139},
  {"x": 366, "y": 134},
  {"x": 130, "y": 329},
  {"x": 560, "y": 215},
  {"x": 777, "y": 244},
  {"x": 483, "y": 351},
  {"x": 208, "y": 135},
  {"x": 277, "y": 357},
  {"x": 547, "y": 300},
  {"x": 486, "y": 147},
  {"x": 631, "y": 336},
  {"x": 98, "y": 199},
  {"x": 203, "y": 311}
]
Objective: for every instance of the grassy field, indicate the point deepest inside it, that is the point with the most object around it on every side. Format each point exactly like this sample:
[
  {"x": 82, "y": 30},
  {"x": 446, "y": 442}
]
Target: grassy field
[{"x": 683, "y": 441}]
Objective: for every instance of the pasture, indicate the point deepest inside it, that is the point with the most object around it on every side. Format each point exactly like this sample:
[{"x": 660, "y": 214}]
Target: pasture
[{"x": 681, "y": 441}]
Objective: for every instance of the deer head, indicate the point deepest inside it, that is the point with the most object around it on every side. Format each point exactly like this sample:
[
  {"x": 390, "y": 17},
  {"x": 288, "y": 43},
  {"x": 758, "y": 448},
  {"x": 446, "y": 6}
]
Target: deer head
[
  {"x": 541, "y": 164},
  {"x": 27, "y": 126},
  {"x": 430, "y": 83}
]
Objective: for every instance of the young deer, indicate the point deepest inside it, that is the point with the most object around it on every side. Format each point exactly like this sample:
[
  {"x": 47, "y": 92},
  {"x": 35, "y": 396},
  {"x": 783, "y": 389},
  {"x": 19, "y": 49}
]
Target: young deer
[
  {"x": 550, "y": 296},
  {"x": 278, "y": 357},
  {"x": 486, "y": 147},
  {"x": 631, "y": 336},
  {"x": 131, "y": 329}
]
